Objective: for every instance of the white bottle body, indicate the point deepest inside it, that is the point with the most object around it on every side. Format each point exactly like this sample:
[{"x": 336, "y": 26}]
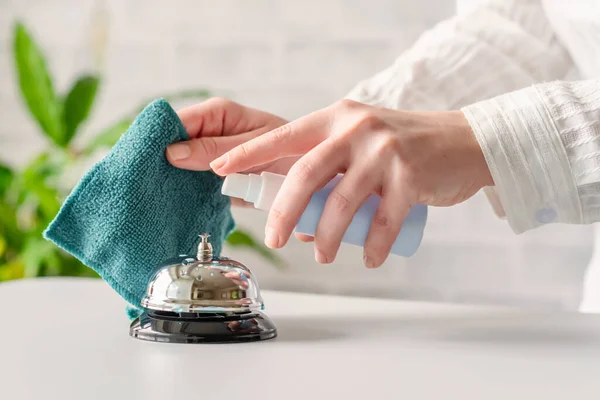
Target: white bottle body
[{"x": 262, "y": 190}]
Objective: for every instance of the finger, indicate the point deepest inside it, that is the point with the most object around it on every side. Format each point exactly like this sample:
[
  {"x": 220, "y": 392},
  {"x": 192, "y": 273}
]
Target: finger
[
  {"x": 342, "y": 204},
  {"x": 210, "y": 117},
  {"x": 197, "y": 154},
  {"x": 309, "y": 174},
  {"x": 304, "y": 238},
  {"x": 386, "y": 223},
  {"x": 292, "y": 139}
]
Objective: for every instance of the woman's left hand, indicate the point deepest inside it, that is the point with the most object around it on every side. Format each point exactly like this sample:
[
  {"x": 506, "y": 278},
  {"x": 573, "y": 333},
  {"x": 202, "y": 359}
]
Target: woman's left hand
[{"x": 405, "y": 157}]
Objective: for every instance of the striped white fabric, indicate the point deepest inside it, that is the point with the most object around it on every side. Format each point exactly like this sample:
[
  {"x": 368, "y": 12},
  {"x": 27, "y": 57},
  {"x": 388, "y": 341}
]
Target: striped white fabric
[{"x": 505, "y": 64}]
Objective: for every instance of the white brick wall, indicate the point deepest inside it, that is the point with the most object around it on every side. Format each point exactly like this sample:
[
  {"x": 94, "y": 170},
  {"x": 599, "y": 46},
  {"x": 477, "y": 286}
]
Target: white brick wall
[{"x": 290, "y": 58}]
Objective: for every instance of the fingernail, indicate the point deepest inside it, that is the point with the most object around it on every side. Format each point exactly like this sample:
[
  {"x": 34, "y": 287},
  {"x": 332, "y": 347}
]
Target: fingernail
[
  {"x": 219, "y": 163},
  {"x": 320, "y": 257},
  {"x": 179, "y": 151},
  {"x": 368, "y": 262},
  {"x": 271, "y": 238}
]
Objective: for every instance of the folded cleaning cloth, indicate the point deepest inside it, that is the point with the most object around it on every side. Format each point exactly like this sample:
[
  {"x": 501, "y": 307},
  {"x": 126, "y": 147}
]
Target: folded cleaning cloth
[{"x": 133, "y": 210}]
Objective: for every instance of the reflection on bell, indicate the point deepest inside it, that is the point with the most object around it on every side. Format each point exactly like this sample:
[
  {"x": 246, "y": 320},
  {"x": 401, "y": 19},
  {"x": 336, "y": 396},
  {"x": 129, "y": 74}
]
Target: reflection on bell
[{"x": 202, "y": 299}]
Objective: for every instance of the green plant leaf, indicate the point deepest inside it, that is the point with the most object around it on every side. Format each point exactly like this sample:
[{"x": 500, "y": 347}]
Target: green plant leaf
[
  {"x": 3, "y": 246},
  {"x": 240, "y": 238},
  {"x": 46, "y": 164},
  {"x": 35, "y": 251},
  {"x": 77, "y": 106},
  {"x": 11, "y": 270},
  {"x": 109, "y": 136},
  {"x": 6, "y": 178},
  {"x": 34, "y": 183},
  {"x": 36, "y": 84},
  {"x": 9, "y": 227}
]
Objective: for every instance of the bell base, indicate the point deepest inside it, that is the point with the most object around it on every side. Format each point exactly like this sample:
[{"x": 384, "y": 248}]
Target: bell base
[{"x": 169, "y": 327}]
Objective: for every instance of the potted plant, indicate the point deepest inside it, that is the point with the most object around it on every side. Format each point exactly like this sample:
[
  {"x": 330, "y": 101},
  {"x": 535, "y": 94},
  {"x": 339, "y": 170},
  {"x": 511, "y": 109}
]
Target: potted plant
[{"x": 31, "y": 196}]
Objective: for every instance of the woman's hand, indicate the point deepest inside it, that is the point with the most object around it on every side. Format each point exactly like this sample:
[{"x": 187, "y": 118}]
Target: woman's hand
[
  {"x": 218, "y": 125},
  {"x": 405, "y": 157}
]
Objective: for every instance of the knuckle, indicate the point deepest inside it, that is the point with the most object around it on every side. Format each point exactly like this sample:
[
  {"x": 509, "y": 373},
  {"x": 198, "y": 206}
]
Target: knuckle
[
  {"x": 365, "y": 122},
  {"x": 276, "y": 215},
  {"x": 244, "y": 150},
  {"x": 347, "y": 104},
  {"x": 302, "y": 171},
  {"x": 220, "y": 102},
  {"x": 281, "y": 133},
  {"x": 239, "y": 153},
  {"x": 338, "y": 201},
  {"x": 381, "y": 221},
  {"x": 390, "y": 142},
  {"x": 209, "y": 146},
  {"x": 278, "y": 219},
  {"x": 369, "y": 121}
]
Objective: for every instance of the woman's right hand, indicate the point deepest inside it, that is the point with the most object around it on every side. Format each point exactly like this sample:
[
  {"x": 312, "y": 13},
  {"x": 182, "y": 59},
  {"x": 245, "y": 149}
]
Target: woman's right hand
[{"x": 218, "y": 125}]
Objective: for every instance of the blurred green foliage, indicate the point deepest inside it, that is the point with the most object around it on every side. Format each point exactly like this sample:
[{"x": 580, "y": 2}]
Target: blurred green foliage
[{"x": 31, "y": 196}]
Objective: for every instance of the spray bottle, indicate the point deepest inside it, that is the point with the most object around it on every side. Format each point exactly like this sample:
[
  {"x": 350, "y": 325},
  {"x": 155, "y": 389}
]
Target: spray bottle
[{"x": 262, "y": 189}]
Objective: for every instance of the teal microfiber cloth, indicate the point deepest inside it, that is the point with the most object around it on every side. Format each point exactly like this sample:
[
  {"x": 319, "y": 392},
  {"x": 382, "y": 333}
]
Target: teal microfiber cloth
[{"x": 133, "y": 209}]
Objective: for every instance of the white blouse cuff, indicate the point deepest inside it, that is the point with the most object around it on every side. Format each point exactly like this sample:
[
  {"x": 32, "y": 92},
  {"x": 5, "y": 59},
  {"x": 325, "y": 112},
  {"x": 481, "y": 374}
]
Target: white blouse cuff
[{"x": 533, "y": 181}]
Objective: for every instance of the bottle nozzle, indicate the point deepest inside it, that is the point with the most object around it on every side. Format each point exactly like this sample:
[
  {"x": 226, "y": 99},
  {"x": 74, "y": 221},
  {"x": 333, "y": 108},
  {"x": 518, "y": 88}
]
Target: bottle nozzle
[
  {"x": 236, "y": 185},
  {"x": 260, "y": 190}
]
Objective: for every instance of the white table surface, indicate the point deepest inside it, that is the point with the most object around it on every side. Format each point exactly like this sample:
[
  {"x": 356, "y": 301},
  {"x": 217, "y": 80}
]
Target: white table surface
[{"x": 68, "y": 339}]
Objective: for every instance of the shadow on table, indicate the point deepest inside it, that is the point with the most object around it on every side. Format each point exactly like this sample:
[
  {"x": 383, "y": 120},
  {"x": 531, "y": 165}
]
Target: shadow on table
[{"x": 519, "y": 329}]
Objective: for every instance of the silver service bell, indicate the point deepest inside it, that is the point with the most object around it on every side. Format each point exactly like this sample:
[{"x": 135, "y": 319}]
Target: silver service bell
[{"x": 202, "y": 299}]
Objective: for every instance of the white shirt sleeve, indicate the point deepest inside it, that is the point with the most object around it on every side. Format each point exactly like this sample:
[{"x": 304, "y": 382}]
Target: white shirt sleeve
[
  {"x": 491, "y": 48},
  {"x": 542, "y": 145}
]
